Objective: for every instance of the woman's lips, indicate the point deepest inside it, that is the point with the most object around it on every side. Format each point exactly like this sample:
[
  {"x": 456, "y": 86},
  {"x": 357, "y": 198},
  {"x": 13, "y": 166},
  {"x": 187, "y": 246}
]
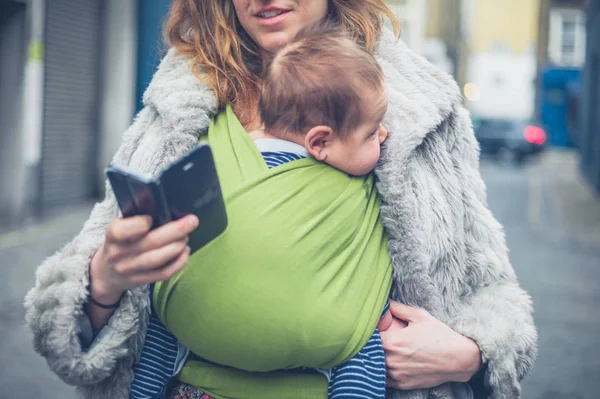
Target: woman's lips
[{"x": 265, "y": 18}]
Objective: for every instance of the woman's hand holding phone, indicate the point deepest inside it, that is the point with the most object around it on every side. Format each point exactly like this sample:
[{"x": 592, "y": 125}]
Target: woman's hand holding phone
[{"x": 134, "y": 254}]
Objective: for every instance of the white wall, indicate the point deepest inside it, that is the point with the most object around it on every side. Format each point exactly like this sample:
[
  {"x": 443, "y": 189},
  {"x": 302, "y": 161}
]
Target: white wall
[
  {"x": 117, "y": 103},
  {"x": 411, "y": 14},
  {"x": 436, "y": 51},
  {"x": 506, "y": 84}
]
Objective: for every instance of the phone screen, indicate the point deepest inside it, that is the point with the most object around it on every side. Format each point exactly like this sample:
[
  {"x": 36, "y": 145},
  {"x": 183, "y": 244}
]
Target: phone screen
[{"x": 191, "y": 186}]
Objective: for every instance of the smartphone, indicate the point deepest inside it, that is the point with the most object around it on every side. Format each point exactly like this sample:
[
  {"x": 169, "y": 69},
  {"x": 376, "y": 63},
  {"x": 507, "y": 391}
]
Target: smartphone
[{"x": 190, "y": 185}]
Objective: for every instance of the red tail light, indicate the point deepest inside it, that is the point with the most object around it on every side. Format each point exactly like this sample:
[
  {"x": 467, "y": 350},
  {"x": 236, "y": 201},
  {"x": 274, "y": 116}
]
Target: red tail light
[{"x": 535, "y": 135}]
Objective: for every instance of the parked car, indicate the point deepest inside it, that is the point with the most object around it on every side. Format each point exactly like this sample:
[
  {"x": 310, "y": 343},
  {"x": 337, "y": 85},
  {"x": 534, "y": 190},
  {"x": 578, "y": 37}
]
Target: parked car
[{"x": 510, "y": 141}]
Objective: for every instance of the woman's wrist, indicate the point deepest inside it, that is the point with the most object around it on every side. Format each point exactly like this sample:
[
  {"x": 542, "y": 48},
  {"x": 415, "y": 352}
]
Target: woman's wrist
[
  {"x": 471, "y": 363},
  {"x": 98, "y": 290},
  {"x": 104, "y": 299}
]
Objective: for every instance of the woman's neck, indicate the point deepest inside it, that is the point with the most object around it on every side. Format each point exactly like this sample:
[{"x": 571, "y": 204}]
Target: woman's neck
[{"x": 248, "y": 114}]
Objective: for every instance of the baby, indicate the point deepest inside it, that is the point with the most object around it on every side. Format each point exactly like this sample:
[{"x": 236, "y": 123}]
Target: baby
[
  {"x": 322, "y": 97},
  {"x": 327, "y": 95}
]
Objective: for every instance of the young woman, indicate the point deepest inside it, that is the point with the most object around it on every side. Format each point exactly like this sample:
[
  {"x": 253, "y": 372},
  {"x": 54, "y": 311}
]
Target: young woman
[{"x": 467, "y": 316}]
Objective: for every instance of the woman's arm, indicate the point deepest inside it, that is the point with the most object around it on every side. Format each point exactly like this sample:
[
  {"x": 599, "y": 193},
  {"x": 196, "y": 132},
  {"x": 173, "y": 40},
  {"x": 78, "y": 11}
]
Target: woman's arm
[
  {"x": 493, "y": 322},
  {"x": 498, "y": 315},
  {"x": 55, "y": 306}
]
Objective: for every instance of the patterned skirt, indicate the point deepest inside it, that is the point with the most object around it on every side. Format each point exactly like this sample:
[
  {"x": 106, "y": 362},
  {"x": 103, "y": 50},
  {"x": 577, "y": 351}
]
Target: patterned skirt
[{"x": 185, "y": 391}]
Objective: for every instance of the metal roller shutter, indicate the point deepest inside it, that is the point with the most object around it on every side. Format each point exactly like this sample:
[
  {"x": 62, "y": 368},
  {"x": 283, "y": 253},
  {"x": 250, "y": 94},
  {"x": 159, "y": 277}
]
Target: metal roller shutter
[{"x": 69, "y": 138}]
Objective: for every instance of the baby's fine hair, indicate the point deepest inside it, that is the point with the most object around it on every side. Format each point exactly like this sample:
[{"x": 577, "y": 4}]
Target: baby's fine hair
[{"x": 317, "y": 79}]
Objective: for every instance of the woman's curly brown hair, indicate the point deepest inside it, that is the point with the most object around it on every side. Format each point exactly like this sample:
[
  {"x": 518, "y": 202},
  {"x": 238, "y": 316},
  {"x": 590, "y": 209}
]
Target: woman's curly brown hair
[{"x": 226, "y": 58}]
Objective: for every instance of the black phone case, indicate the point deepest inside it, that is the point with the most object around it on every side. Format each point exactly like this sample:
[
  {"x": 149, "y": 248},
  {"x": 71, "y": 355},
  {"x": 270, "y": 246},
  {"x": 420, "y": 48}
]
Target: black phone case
[{"x": 188, "y": 186}]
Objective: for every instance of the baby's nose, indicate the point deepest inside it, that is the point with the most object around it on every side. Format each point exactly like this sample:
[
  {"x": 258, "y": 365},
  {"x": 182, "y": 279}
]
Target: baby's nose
[{"x": 383, "y": 133}]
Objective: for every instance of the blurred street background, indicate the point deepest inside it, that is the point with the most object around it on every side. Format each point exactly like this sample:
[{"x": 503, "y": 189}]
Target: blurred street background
[{"x": 72, "y": 74}]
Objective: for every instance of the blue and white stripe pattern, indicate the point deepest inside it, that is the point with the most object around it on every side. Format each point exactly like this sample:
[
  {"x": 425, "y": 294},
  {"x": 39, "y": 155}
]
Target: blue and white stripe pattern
[
  {"x": 363, "y": 376},
  {"x": 157, "y": 363},
  {"x": 274, "y": 159}
]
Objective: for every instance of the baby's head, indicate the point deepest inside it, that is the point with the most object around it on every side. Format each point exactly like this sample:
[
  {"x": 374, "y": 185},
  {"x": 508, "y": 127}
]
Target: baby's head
[{"x": 325, "y": 92}]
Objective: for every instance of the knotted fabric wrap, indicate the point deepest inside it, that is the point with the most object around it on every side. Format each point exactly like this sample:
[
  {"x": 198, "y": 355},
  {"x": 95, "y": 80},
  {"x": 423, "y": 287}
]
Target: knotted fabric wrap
[{"x": 298, "y": 279}]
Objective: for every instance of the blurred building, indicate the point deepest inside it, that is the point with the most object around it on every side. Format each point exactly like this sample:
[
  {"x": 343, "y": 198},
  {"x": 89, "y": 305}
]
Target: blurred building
[
  {"x": 67, "y": 72},
  {"x": 412, "y": 17},
  {"x": 72, "y": 74},
  {"x": 562, "y": 33},
  {"x": 561, "y": 56},
  {"x": 589, "y": 128},
  {"x": 500, "y": 66},
  {"x": 444, "y": 44},
  {"x": 13, "y": 58}
]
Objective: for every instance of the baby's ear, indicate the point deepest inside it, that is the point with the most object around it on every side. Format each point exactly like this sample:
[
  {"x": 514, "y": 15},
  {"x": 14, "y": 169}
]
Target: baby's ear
[{"x": 318, "y": 141}]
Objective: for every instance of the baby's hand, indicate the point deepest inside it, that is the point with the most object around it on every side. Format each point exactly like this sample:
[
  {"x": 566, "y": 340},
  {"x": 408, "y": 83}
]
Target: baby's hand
[{"x": 388, "y": 321}]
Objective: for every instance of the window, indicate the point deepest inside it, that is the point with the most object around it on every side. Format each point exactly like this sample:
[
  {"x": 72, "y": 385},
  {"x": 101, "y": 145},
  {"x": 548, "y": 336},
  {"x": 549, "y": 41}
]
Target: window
[{"x": 566, "y": 46}]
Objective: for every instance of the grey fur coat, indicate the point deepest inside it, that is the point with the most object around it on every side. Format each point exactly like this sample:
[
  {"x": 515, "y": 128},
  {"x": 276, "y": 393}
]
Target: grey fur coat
[{"x": 448, "y": 251}]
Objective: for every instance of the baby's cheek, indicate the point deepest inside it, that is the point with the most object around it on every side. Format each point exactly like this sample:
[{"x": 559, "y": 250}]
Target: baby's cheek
[{"x": 375, "y": 156}]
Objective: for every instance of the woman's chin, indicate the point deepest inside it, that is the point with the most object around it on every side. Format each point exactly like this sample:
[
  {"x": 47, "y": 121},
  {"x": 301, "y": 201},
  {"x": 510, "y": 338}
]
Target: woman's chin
[{"x": 273, "y": 42}]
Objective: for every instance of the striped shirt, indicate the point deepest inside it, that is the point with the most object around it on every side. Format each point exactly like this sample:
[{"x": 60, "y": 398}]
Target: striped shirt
[
  {"x": 158, "y": 362},
  {"x": 274, "y": 159},
  {"x": 363, "y": 376}
]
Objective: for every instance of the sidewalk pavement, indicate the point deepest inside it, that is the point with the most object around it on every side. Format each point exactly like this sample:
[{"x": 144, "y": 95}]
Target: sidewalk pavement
[
  {"x": 23, "y": 373},
  {"x": 66, "y": 222},
  {"x": 563, "y": 206}
]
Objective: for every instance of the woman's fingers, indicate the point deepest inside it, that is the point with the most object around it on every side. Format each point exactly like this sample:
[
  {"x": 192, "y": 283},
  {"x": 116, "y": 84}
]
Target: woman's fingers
[
  {"x": 400, "y": 384},
  {"x": 153, "y": 259},
  {"x": 393, "y": 339},
  {"x": 405, "y": 312},
  {"x": 127, "y": 230},
  {"x": 385, "y": 322},
  {"x": 167, "y": 234},
  {"x": 133, "y": 254},
  {"x": 393, "y": 383},
  {"x": 164, "y": 273}
]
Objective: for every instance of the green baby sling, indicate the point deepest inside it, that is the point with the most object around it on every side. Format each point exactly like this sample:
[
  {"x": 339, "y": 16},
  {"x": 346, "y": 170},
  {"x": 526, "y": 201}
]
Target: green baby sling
[{"x": 297, "y": 281}]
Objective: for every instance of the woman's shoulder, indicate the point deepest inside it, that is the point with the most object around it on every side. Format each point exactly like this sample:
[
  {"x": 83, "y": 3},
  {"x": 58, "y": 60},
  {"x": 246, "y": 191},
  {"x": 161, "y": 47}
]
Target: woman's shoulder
[
  {"x": 422, "y": 98},
  {"x": 179, "y": 96},
  {"x": 178, "y": 109}
]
